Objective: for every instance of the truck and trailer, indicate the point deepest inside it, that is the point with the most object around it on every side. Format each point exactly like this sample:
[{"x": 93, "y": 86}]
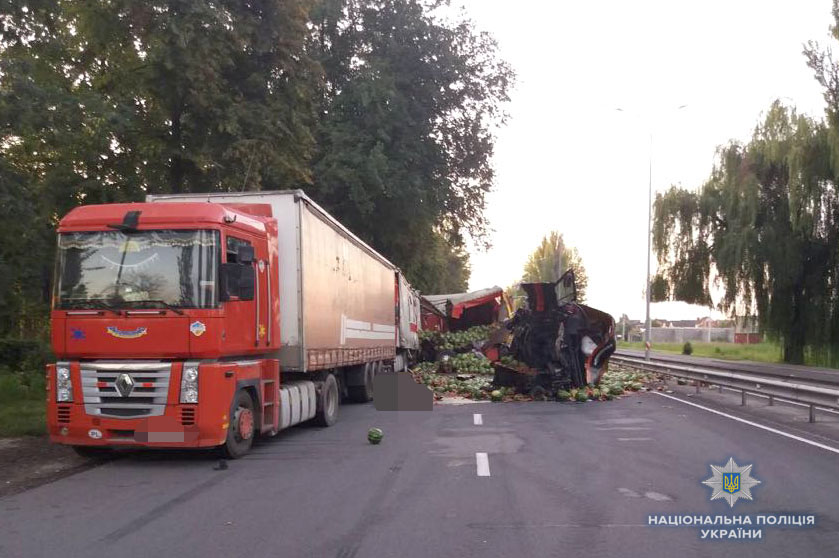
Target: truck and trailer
[{"x": 204, "y": 320}]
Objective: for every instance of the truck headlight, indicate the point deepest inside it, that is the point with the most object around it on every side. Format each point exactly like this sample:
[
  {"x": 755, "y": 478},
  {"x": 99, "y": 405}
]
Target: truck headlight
[
  {"x": 63, "y": 385},
  {"x": 189, "y": 384}
]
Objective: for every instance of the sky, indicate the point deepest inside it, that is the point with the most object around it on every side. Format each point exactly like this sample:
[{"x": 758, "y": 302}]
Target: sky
[{"x": 567, "y": 160}]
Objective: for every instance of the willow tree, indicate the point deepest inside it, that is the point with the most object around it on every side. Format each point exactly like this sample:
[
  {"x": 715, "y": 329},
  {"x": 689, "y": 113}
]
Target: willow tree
[{"x": 766, "y": 224}]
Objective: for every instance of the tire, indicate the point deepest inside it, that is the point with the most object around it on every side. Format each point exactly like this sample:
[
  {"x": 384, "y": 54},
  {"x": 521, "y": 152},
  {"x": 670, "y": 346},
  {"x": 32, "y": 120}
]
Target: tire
[
  {"x": 328, "y": 402},
  {"x": 242, "y": 427},
  {"x": 364, "y": 394},
  {"x": 94, "y": 453}
]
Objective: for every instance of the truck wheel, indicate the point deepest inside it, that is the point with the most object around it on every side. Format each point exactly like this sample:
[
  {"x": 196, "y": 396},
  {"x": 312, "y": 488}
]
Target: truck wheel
[
  {"x": 363, "y": 394},
  {"x": 328, "y": 400},
  {"x": 94, "y": 453},
  {"x": 242, "y": 427}
]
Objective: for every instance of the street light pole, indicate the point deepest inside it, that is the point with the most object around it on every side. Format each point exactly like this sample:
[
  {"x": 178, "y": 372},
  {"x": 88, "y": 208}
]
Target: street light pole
[
  {"x": 648, "y": 332},
  {"x": 649, "y": 248}
]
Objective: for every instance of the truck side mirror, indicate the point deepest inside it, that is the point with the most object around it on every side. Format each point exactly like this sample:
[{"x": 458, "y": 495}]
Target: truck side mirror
[
  {"x": 237, "y": 281},
  {"x": 245, "y": 254},
  {"x": 229, "y": 277},
  {"x": 247, "y": 278}
]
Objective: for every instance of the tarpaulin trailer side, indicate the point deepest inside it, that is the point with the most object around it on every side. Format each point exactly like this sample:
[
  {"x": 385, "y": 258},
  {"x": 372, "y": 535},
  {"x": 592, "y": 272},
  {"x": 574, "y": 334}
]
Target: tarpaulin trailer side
[{"x": 336, "y": 305}]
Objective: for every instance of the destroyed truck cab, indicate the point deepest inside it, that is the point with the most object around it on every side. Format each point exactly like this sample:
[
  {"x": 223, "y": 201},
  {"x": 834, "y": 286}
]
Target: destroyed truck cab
[{"x": 564, "y": 343}]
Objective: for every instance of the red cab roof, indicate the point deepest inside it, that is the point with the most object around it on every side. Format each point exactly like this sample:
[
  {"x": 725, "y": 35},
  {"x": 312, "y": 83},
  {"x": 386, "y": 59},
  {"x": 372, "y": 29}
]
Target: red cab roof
[{"x": 161, "y": 215}]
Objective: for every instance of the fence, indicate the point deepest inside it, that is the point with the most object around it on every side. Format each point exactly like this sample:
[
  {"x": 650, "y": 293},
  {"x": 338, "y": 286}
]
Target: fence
[{"x": 682, "y": 334}]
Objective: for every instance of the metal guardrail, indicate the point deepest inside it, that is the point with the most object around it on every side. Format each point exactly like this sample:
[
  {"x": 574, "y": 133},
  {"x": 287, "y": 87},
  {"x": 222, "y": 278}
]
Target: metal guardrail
[{"x": 773, "y": 386}]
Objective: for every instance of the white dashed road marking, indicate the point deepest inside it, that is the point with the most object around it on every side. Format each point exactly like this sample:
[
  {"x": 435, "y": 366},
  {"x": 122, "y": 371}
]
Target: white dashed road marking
[
  {"x": 479, "y": 420},
  {"x": 634, "y": 439},
  {"x": 482, "y": 460}
]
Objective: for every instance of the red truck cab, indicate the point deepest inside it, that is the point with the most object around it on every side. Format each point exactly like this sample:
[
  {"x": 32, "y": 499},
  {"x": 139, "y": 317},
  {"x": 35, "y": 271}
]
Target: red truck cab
[{"x": 162, "y": 316}]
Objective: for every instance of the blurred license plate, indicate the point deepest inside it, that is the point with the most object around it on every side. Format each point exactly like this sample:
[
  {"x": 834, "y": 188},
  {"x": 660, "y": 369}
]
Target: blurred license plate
[{"x": 171, "y": 437}]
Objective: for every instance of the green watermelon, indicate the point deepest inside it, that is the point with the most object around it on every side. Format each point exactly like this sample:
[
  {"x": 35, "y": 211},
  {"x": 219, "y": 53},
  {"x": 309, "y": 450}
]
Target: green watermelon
[{"x": 375, "y": 435}]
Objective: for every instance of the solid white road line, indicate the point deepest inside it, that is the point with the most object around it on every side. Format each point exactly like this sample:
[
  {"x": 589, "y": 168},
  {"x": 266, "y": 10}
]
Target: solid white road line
[
  {"x": 633, "y": 439},
  {"x": 479, "y": 420},
  {"x": 482, "y": 460},
  {"x": 755, "y": 424}
]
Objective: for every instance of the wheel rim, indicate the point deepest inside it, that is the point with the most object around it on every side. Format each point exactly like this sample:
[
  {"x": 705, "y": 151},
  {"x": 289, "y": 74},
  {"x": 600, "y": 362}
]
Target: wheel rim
[{"x": 243, "y": 423}]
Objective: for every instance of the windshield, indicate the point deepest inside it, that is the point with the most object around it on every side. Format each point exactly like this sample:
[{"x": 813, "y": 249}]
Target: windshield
[{"x": 144, "y": 269}]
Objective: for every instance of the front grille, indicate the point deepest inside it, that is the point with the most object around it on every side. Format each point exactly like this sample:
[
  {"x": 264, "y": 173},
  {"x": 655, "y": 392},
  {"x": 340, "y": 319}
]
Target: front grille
[
  {"x": 146, "y": 399},
  {"x": 63, "y": 414},
  {"x": 187, "y": 416}
]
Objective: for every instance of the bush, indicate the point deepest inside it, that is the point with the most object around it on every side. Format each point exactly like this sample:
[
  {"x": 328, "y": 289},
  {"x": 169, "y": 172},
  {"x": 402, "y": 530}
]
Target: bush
[
  {"x": 19, "y": 386},
  {"x": 687, "y": 348}
]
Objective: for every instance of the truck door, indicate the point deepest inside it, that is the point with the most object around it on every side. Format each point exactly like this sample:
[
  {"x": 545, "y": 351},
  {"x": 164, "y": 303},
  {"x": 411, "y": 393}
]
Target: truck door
[{"x": 241, "y": 319}]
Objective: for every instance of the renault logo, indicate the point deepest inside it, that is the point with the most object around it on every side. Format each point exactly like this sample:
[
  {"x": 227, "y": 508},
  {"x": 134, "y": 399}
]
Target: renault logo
[{"x": 124, "y": 384}]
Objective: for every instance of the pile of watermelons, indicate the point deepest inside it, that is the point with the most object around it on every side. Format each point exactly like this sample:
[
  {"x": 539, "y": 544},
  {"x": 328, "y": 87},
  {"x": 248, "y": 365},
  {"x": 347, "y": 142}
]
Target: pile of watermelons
[
  {"x": 456, "y": 341},
  {"x": 475, "y": 387},
  {"x": 616, "y": 382},
  {"x": 470, "y": 363}
]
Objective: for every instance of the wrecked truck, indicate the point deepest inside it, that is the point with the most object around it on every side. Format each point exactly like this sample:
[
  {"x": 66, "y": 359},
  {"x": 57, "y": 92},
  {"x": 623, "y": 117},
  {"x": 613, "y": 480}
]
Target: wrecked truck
[{"x": 553, "y": 342}]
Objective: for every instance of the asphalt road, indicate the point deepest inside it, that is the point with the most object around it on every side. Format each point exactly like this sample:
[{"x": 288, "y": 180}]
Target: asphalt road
[{"x": 565, "y": 479}]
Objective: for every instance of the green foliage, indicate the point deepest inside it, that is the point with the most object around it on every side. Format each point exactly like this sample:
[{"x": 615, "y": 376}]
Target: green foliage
[
  {"x": 759, "y": 352},
  {"x": 22, "y": 403},
  {"x": 687, "y": 348},
  {"x": 405, "y": 133},
  {"x": 542, "y": 266},
  {"x": 766, "y": 220}
]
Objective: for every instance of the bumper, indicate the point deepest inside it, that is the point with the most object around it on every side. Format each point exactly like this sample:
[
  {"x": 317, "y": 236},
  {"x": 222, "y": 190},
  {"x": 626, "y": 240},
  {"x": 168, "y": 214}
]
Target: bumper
[{"x": 181, "y": 426}]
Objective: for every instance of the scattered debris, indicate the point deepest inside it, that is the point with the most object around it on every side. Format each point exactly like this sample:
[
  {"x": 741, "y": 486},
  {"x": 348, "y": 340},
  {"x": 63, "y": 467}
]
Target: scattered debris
[
  {"x": 566, "y": 344},
  {"x": 553, "y": 349}
]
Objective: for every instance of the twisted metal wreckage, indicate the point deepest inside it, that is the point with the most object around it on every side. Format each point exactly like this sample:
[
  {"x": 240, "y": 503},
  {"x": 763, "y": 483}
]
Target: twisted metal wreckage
[{"x": 551, "y": 343}]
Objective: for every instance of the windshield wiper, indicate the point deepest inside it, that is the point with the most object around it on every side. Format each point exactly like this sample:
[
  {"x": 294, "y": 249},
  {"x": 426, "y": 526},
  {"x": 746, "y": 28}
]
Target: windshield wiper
[
  {"x": 163, "y": 303},
  {"x": 97, "y": 302}
]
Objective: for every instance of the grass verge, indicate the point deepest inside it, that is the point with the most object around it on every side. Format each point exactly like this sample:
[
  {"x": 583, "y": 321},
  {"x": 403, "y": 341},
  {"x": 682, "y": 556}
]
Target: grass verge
[
  {"x": 759, "y": 352},
  {"x": 22, "y": 404}
]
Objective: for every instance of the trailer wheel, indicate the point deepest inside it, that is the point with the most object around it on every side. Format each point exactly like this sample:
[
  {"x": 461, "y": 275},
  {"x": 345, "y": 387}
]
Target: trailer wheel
[
  {"x": 328, "y": 400},
  {"x": 242, "y": 427},
  {"x": 363, "y": 394}
]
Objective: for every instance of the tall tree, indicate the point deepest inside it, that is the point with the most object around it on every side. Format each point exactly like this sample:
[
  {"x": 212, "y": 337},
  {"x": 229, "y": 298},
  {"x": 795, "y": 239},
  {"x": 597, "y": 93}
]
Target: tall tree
[
  {"x": 113, "y": 99},
  {"x": 409, "y": 104},
  {"x": 553, "y": 255},
  {"x": 767, "y": 223},
  {"x": 105, "y": 101}
]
